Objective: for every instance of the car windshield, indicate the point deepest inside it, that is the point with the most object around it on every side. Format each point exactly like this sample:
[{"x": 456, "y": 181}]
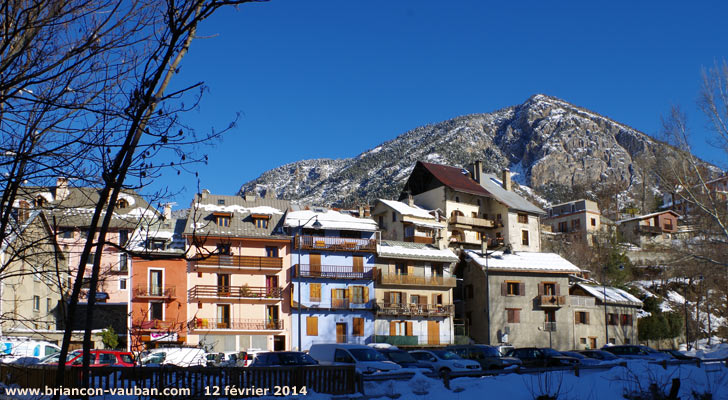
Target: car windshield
[
  {"x": 401, "y": 357},
  {"x": 649, "y": 350},
  {"x": 446, "y": 355},
  {"x": 550, "y": 352},
  {"x": 367, "y": 355},
  {"x": 481, "y": 352},
  {"x": 607, "y": 355},
  {"x": 573, "y": 354},
  {"x": 295, "y": 359},
  {"x": 127, "y": 358}
]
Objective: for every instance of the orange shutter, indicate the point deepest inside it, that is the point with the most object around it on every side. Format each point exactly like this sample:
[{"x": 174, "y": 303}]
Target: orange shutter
[
  {"x": 366, "y": 294},
  {"x": 408, "y": 328},
  {"x": 312, "y": 326},
  {"x": 504, "y": 289},
  {"x": 392, "y": 328}
]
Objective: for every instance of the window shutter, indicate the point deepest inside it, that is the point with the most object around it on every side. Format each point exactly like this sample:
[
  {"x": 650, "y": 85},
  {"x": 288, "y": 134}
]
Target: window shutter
[
  {"x": 558, "y": 290},
  {"x": 422, "y": 299},
  {"x": 521, "y": 289},
  {"x": 587, "y": 318},
  {"x": 312, "y": 326},
  {"x": 504, "y": 288},
  {"x": 387, "y": 300},
  {"x": 347, "y": 294},
  {"x": 408, "y": 328},
  {"x": 366, "y": 294},
  {"x": 293, "y": 291},
  {"x": 540, "y": 289},
  {"x": 434, "y": 299},
  {"x": 516, "y": 315},
  {"x": 333, "y": 295},
  {"x": 392, "y": 328}
]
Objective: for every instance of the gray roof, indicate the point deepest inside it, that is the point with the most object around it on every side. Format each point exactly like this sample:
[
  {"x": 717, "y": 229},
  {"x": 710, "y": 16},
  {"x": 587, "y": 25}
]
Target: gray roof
[
  {"x": 414, "y": 251},
  {"x": 201, "y": 219},
  {"x": 513, "y": 200}
]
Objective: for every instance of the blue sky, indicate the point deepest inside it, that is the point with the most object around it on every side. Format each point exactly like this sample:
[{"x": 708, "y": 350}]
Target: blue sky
[{"x": 330, "y": 79}]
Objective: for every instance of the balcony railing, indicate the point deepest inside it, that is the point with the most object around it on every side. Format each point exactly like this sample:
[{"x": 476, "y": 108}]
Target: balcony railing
[
  {"x": 333, "y": 271},
  {"x": 582, "y": 301},
  {"x": 335, "y": 244},
  {"x": 549, "y": 326},
  {"x": 416, "y": 280},
  {"x": 154, "y": 292},
  {"x": 415, "y": 310},
  {"x": 339, "y": 303},
  {"x": 240, "y": 262},
  {"x": 471, "y": 221},
  {"x": 236, "y": 324},
  {"x": 235, "y": 292},
  {"x": 649, "y": 229},
  {"x": 549, "y": 300},
  {"x": 419, "y": 239},
  {"x": 155, "y": 325}
]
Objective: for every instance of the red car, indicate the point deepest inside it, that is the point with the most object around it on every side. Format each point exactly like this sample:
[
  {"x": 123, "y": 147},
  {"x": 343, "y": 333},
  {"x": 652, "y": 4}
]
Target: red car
[{"x": 105, "y": 358}]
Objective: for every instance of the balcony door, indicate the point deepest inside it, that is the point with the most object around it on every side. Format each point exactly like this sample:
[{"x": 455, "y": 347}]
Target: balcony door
[
  {"x": 223, "y": 284},
  {"x": 271, "y": 284},
  {"x": 223, "y": 316},
  {"x": 155, "y": 282},
  {"x": 314, "y": 261},
  {"x": 272, "y": 316},
  {"x": 433, "y": 332},
  {"x": 340, "y": 333},
  {"x": 358, "y": 264},
  {"x": 156, "y": 311}
]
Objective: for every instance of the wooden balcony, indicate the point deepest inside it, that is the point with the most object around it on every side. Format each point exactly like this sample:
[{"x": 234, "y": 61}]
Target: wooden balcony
[
  {"x": 154, "y": 292},
  {"x": 548, "y": 300},
  {"x": 219, "y": 293},
  {"x": 471, "y": 222},
  {"x": 582, "y": 301},
  {"x": 414, "y": 310},
  {"x": 415, "y": 280},
  {"x": 242, "y": 263},
  {"x": 211, "y": 324},
  {"x": 420, "y": 239},
  {"x": 333, "y": 271},
  {"x": 328, "y": 243},
  {"x": 654, "y": 230}
]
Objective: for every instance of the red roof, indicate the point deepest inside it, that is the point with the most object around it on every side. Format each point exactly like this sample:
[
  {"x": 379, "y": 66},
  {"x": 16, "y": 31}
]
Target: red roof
[{"x": 455, "y": 178}]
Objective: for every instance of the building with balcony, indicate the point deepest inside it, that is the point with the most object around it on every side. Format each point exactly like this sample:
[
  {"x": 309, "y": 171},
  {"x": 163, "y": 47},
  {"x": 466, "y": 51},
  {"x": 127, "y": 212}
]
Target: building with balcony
[
  {"x": 520, "y": 298},
  {"x": 478, "y": 206},
  {"x": 575, "y": 221},
  {"x": 332, "y": 290},
  {"x": 650, "y": 229},
  {"x": 406, "y": 222},
  {"x": 413, "y": 290},
  {"x": 236, "y": 278},
  {"x": 158, "y": 285},
  {"x": 590, "y": 316}
]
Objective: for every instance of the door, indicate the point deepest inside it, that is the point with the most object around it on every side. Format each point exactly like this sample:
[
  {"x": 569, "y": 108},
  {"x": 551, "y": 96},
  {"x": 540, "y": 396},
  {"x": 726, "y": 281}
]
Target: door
[
  {"x": 155, "y": 282},
  {"x": 433, "y": 332},
  {"x": 358, "y": 265},
  {"x": 223, "y": 316},
  {"x": 223, "y": 284},
  {"x": 315, "y": 264},
  {"x": 340, "y": 333},
  {"x": 271, "y": 286},
  {"x": 272, "y": 314},
  {"x": 592, "y": 343},
  {"x": 279, "y": 343}
]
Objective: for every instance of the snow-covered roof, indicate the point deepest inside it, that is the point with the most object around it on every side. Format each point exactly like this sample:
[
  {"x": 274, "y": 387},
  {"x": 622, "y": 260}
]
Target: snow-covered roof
[
  {"x": 523, "y": 261},
  {"x": 513, "y": 200},
  {"x": 410, "y": 250},
  {"x": 406, "y": 209},
  {"x": 613, "y": 295},
  {"x": 329, "y": 219}
]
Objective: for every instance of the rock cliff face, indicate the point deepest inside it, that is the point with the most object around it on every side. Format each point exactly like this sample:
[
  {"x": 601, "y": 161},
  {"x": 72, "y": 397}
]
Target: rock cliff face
[{"x": 545, "y": 141}]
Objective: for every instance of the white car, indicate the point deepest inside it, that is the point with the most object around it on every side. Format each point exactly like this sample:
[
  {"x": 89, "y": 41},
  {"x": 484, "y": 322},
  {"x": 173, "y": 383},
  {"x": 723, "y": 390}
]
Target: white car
[
  {"x": 180, "y": 356},
  {"x": 444, "y": 361}
]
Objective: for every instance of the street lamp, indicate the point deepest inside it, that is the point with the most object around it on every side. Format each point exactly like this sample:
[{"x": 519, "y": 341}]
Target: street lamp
[{"x": 316, "y": 225}]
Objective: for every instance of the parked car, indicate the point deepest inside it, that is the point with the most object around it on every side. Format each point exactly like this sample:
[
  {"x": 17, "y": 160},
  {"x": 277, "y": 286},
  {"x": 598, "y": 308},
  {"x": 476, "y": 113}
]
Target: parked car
[
  {"x": 365, "y": 359},
  {"x": 403, "y": 358},
  {"x": 604, "y": 356},
  {"x": 637, "y": 352},
  {"x": 53, "y": 358},
  {"x": 227, "y": 359},
  {"x": 180, "y": 356},
  {"x": 488, "y": 356},
  {"x": 13, "y": 349},
  {"x": 282, "y": 359},
  {"x": 535, "y": 357},
  {"x": 583, "y": 360},
  {"x": 504, "y": 348},
  {"x": 444, "y": 361},
  {"x": 679, "y": 355},
  {"x": 104, "y": 358}
]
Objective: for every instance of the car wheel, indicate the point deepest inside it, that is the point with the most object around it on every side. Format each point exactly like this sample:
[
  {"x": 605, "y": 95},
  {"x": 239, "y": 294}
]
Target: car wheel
[{"x": 444, "y": 372}]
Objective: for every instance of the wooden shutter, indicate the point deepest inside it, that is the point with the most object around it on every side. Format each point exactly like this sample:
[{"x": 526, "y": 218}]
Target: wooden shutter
[
  {"x": 434, "y": 299},
  {"x": 292, "y": 295},
  {"x": 587, "y": 318},
  {"x": 540, "y": 289},
  {"x": 312, "y": 326},
  {"x": 408, "y": 328},
  {"x": 347, "y": 294},
  {"x": 366, "y": 294},
  {"x": 314, "y": 291},
  {"x": 358, "y": 264},
  {"x": 392, "y": 328},
  {"x": 558, "y": 289},
  {"x": 333, "y": 294},
  {"x": 410, "y": 269},
  {"x": 517, "y": 315},
  {"x": 521, "y": 289},
  {"x": 387, "y": 298},
  {"x": 504, "y": 288},
  {"x": 422, "y": 299},
  {"x": 315, "y": 264},
  {"x": 358, "y": 327}
]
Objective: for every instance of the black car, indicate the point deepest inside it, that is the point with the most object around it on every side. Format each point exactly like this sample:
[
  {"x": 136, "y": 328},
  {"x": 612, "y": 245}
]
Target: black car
[
  {"x": 678, "y": 355},
  {"x": 542, "y": 357},
  {"x": 600, "y": 355},
  {"x": 282, "y": 358},
  {"x": 488, "y": 356},
  {"x": 403, "y": 358}
]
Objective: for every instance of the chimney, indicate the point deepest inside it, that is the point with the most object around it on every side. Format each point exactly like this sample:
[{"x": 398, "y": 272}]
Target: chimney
[
  {"x": 62, "y": 190},
  {"x": 410, "y": 200},
  {"x": 483, "y": 245},
  {"x": 250, "y": 196},
  {"x": 167, "y": 211},
  {"x": 204, "y": 193},
  {"x": 507, "y": 179},
  {"x": 476, "y": 170}
]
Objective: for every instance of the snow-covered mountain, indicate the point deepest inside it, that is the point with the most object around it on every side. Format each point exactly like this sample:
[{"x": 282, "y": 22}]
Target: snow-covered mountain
[{"x": 548, "y": 142}]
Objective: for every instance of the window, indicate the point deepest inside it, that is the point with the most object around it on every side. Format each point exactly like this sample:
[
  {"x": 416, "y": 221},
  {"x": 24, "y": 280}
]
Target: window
[
  {"x": 122, "y": 284},
  {"x": 400, "y": 269},
  {"x": 593, "y": 222},
  {"x": 522, "y": 218},
  {"x": 457, "y": 199},
  {"x": 314, "y": 292},
  {"x": 626, "y": 320},
  {"x": 474, "y": 214},
  {"x": 575, "y": 224},
  {"x": 436, "y": 269},
  {"x": 155, "y": 282},
  {"x": 36, "y": 303},
  {"x": 524, "y": 238},
  {"x": 220, "y": 202},
  {"x": 513, "y": 288},
  {"x": 261, "y": 223},
  {"x": 358, "y": 327},
  {"x": 312, "y": 326},
  {"x": 358, "y": 294},
  {"x": 67, "y": 234},
  {"x": 271, "y": 251},
  {"x": 415, "y": 299},
  {"x": 123, "y": 237},
  {"x": 123, "y": 262},
  {"x": 39, "y": 201},
  {"x": 581, "y": 318},
  {"x": 582, "y": 341},
  {"x": 156, "y": 311},
  {"x": 394, "y": 216},
  {"x": 223, "y": 221},
  {"x": 613, "y": 318},
  {"x": 549, "y": 289},
  {"x": 513, "y": 315},
  {"x": 122, "y": 204},
  {"x": 563, "y": 227}
]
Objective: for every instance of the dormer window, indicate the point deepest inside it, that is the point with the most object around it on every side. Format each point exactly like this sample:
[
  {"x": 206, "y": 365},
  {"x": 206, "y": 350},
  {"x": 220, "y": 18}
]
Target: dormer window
[
  {"x": 122, "y": 204},
  {"x": 220, "y": 202},
  {"x": 39, "y": 202},
  {"x": 222, "y": 219},
  {"x": 260, "y": 220}
]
